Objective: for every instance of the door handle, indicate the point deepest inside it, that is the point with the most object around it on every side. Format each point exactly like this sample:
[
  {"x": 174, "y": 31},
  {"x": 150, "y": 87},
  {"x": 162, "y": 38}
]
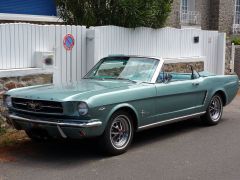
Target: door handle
[{"x": 195, "y": 83}]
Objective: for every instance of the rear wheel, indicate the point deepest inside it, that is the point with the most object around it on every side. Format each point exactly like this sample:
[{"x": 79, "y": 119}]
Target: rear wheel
[
  {"x": 118, "y": 134},
  {"x": 214, "y": 111}
]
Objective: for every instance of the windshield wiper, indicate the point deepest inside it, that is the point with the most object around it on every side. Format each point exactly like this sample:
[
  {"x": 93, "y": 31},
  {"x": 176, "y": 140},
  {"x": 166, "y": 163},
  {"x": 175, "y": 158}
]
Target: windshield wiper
[
  {"x": 124, "y": 79},
  {"x": 115, "y": 78},
  {"x": 101, "y": 79},
  {"x": 127, "y": 80}
]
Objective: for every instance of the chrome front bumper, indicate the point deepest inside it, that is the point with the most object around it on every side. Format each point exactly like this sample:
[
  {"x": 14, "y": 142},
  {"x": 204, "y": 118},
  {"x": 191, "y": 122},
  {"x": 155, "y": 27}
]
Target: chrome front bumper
[
  {"x": 88, "y": 124},
  {"x": 91, "y": 123}
]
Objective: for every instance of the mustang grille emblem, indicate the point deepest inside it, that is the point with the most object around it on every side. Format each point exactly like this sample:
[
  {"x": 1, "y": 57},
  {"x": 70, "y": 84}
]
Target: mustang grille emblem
[{"x": 34, "y": 106}]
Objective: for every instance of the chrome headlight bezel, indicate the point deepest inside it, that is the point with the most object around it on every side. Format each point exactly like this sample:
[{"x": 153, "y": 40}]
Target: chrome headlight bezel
[
  {"x": 7, "y": 101},
  {"x": 82, "y": 108}
]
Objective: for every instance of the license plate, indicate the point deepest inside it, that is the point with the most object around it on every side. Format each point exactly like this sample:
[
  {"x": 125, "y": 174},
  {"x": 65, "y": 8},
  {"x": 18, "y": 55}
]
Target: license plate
[{"x": 34, "y": 125}]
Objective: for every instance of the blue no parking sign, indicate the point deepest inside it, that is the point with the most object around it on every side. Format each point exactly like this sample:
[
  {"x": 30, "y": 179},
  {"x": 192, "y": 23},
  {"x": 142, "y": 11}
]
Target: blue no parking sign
[{"x": 68, "y": 42}]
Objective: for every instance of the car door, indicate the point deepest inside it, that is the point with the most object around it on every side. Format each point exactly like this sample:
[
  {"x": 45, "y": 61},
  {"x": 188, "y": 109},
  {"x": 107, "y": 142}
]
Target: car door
[{"x": 179, "y": 97}]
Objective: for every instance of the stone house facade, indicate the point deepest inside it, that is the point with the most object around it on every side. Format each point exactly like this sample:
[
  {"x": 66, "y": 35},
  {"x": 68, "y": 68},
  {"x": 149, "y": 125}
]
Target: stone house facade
[{"x": 220, "y": 15}]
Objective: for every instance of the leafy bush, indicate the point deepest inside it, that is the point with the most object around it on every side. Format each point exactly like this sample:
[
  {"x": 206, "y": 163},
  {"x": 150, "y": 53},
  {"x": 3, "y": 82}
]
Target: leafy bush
[
  {"x": 2, "y": 122},
  {"x": 126, "y": 13},
  {"x": 236, "y": 40},
  {"x": 2, "y": 129}
]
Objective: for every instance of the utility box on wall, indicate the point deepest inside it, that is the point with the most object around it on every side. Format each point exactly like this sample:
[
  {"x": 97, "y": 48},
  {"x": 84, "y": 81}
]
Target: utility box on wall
[{"x": 44, "y": 60}]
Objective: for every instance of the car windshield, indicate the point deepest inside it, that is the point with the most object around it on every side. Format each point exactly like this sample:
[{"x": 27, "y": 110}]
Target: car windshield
[{"x": 134, "y": 69}]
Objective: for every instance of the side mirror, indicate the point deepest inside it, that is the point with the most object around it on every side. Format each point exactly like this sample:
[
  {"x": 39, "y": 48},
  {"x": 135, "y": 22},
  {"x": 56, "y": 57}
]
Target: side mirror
[{"x": 168, "y": 77}]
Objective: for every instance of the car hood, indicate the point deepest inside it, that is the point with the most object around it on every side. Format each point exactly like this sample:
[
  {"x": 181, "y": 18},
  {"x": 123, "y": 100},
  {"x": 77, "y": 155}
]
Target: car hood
[{"x": 70, "y": 91}]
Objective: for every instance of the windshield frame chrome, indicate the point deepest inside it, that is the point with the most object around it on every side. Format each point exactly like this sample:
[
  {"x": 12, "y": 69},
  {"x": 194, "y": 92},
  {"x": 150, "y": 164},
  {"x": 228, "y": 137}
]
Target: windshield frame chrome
[{"x": 158, "y": 69}]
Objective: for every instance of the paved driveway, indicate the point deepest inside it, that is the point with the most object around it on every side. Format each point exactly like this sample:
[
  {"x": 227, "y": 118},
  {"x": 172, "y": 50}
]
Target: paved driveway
[{"x": 186, "y": 150}]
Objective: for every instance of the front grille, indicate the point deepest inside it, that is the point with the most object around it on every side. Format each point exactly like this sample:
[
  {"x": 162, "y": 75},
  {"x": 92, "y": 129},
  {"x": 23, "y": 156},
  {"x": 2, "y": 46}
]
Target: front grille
[{"x": 37, "y": 106}]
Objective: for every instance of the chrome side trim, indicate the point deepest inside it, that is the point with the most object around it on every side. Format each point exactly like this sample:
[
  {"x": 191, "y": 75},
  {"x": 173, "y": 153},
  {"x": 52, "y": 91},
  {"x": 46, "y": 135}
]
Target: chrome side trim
[
  {"x": 92, "y": 123},
  {"x": 169, "y": 121}
]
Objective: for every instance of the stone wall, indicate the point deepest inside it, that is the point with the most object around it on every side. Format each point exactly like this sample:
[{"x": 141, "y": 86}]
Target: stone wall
[
  {"x": 209, "y": 10},
  {"x": 214, "y": 14},
  {"x": 173, "y": 19},
  {"x": 228, "y": 57},
  {"x": 237, "y": 61},
  {"x": 203, "y": 6},
  {"x": 226, "y": 14},
  {"x": 184, "y": 67},
  {"x": 7, "y": 83}
]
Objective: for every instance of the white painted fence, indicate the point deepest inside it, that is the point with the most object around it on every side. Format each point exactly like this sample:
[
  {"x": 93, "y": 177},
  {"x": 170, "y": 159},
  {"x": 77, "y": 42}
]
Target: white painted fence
[
  {"x": 19, "y": 42},
  {"x": 166, "y": 43}
]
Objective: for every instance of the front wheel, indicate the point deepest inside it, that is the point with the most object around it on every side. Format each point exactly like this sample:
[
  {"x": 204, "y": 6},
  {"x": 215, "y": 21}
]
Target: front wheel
[
  {"x": 118, "y": 134},
  {"x": 214, "y": 111}
]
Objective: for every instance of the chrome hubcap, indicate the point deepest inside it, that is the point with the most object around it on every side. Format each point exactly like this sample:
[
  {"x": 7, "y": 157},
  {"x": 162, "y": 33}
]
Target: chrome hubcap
[
  {"x": 215, "y": 108},
  {"x": 120, "y": 132}
]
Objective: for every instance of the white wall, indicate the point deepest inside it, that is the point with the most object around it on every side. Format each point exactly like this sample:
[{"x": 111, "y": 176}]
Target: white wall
[
  {"x": 19, "y": 42},
  {"x": 70, "y": 65},
  {"x": 165, "y": 42}
]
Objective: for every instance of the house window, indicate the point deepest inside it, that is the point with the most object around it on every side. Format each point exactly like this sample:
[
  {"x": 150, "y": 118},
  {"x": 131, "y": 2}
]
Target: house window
[
  {"x": 188, "y": 13},
  {"x": 185, "y": 6},
  {"x": 237, "y": 12}
]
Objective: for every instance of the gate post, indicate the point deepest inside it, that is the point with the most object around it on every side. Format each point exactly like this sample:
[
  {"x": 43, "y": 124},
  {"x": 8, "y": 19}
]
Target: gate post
[
  {"x": 92, "y": 47},
  {"x": 221, "y": 53}
]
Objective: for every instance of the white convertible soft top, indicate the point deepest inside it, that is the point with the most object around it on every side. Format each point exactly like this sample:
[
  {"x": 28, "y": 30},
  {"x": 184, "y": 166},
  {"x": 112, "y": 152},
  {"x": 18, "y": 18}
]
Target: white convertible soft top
[{"x": 184, "y": 59}]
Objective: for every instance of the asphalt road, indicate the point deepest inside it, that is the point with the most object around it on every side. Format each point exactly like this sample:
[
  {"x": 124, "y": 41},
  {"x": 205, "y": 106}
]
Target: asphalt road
[{"x": 186, "y": 150}]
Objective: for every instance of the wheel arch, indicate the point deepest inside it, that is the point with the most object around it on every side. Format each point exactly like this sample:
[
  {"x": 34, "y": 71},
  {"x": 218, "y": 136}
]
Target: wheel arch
[
  {"x": 128, "y": 108},
  {"x": 223, "y": 95}
]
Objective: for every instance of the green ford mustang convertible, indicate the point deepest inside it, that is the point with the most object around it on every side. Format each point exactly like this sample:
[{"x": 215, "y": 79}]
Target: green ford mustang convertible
[{"x": 118, "y": 97}]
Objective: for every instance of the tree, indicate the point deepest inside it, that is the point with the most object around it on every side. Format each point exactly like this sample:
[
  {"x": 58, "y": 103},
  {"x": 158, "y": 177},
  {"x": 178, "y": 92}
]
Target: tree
[{"x": 126, "y": 13}]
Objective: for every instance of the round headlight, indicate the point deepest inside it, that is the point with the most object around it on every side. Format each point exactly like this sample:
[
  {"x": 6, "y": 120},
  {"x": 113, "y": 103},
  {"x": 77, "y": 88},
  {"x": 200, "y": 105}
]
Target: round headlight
[
  {"x": 82, "y": 108},
  {"x": 8, "y": 101}
]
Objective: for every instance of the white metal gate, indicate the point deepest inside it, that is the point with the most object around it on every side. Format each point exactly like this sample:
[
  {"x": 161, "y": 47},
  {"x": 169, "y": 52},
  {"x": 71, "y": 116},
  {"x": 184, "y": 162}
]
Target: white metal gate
[{"x": 165, "y": 42}]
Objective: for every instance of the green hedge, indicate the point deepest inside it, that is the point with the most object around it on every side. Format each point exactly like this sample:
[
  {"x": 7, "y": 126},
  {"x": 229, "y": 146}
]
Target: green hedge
[{"x": 236, "y": 40}]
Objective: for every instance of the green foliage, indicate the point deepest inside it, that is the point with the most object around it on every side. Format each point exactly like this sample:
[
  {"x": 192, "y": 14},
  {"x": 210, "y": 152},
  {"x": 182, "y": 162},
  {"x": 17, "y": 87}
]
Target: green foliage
[
  {"x": 2, "y": 130},
  {"x": 2, "y": 124},
  {"x": 126, "y": 13},
  {"x": 236, "y": 40}
]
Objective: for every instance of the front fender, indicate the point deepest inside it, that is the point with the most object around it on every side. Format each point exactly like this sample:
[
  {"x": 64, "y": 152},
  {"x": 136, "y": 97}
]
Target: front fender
[{"x": 119, "y": 106}]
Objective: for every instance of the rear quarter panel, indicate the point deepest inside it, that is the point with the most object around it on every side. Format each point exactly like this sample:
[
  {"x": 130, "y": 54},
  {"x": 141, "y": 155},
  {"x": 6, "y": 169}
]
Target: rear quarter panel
[{"x": 228, "y": 84}]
